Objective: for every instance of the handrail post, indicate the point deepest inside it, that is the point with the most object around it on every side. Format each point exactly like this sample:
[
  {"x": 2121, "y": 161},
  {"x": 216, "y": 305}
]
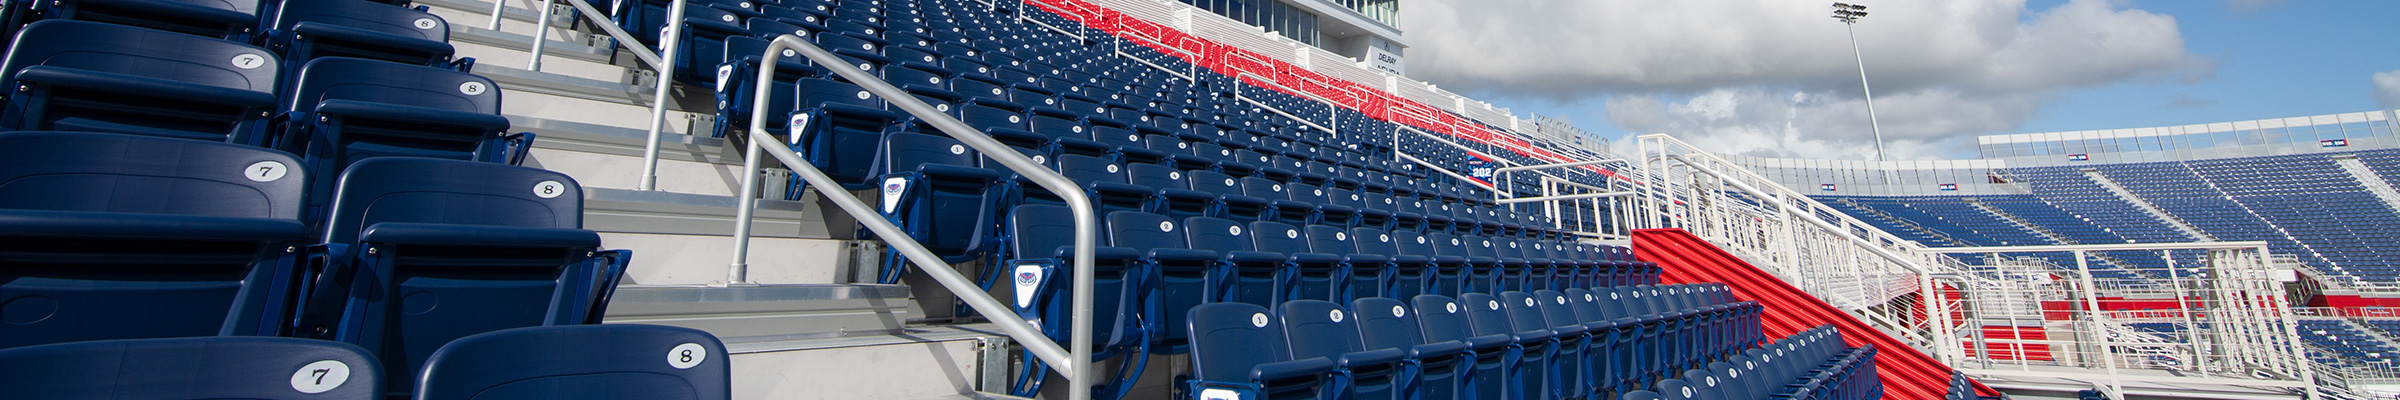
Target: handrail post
[
  {"x": 498, "y": 6},
  {"x": 744, "y": 208},
  {"x": 667, "y": 45},
  {"x": 541, "y": 29},
  {"x": 1075, "y": 361}
]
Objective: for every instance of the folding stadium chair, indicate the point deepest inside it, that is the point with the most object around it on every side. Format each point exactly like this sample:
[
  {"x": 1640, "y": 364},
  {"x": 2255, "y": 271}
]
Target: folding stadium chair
[
  {"x": 507, "y": 240},
  {"x": 92, "y": 76},
  {"x": 1177, "y": 277},
  {"x": 348, "y": 109},
  {"x": 192, "y": 368},
  {"x": 1175, "y": 198},
  {"x": 702, "y": 42},
  {"x": 1494, "y": 356},
  {"x": 1312, "y": 275},
  {"x": 1041, "y": 242},
  {"x": 845, "y": 127},
  {"x": 1320, "y": 329},
  {"x": 216, "y": 20},
  {"x": 305, "y": 30},
  {"x": 1361, "y": 274},
  {"x": 612, "y": 361},
  {"x": 1431, "y": 369},
  {"x": 107, "y": 236},
  {"x": 1238, "y": 352},
  {"x": 933, "y": 188},
  {"x": 1544, "y": 355},
  {"x": 1247, "y": 275}
]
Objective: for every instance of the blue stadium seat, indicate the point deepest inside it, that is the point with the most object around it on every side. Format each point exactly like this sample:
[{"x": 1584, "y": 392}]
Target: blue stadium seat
[
  {"x": 702, "y": 44},
  {"x": 580, "y": 361},
  {"x": 1041, "y": 240},
  {"x": 191, "y": 368},
  {"x": 305, "y": 30},
  {"x": 1249, "y": 276},
  {"x": 1545, "y": 358},
  {"x": 1320, "y": 329},
  {"x": 845, "y": 128},
  {"x": 1362, "y": 274},
  {"x": 1494, "y": 355},
  {"x": 1312, "y": 275},
  {"x": 1238, "y": 352},
  {"x": 1177, "y": 277},
  {"x": 233, "y": 20},
  {"x": 212, "y": 222},
  {"x": 1432, "y": 369},
  {"x": 348, "y": 109},
  {"x": 737, "y": 78},
  {"x": 1104, "y": 182},
  {"x": 1175, "y": 198},
  {"x": 91, "y": 76},
  {"x": 1232, "y": 202},
  {"x": 933, "y": 188},
  {"x": 506, "y": 239}
]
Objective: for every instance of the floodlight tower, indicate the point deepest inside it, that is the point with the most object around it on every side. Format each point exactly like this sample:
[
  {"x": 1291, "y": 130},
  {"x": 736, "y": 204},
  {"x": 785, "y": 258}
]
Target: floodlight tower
[{"x": 1849, "y": 15}]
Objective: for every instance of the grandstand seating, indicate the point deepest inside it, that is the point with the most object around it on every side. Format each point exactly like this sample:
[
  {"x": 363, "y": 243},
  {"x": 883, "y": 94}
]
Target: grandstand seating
[
  {"x": 90, "y": 76},
  {"x": 2348, "y": 344}
]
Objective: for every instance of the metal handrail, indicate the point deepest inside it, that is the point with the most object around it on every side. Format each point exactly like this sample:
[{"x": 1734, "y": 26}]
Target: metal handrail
[
  {"x": 1075, "y": 364},
  {"x": 666, "y": 70}
]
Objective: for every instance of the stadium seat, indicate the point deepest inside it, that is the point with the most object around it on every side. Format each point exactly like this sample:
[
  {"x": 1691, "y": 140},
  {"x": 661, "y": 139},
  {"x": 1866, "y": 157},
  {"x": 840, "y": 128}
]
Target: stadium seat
[
  {"x": 211, "y": 19},
  {"x": 1542, "y": 359},
  {"x": 1312, "y": 275},
  {"x": 1432, "y": 370},
  {"x": 192, "y": 368},
  {"x": 91, "y": 76},
  {"x": 1238, "y": 352},
  {"x": 1321, "y": 329},
  {"x": 1494, "y": 355},
  {"x": 348, "y": 109},
  {"x": 410, "y": 234},
  {"x": 737, "y": 79},
  {"x": 1249, "y": 276},
  {"x": 845, "y": 128},
  {"x": 108, "y": 236},
  {"x": 702, "y": 44},
  {"x": 1041, "y": 247},
  {"x": 1177, "y": 276},
  {"x": 934, "y": 189},
  {"x": 620, "y": 361},
  {"x": 305, "y": 30}
]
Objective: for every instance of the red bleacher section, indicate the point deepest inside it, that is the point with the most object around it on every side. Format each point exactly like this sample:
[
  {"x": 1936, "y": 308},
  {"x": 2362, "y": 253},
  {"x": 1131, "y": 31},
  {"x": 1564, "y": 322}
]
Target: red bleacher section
[
  {"x": 1263, "y": 71},
  {"x": 1683, "y": 258}
]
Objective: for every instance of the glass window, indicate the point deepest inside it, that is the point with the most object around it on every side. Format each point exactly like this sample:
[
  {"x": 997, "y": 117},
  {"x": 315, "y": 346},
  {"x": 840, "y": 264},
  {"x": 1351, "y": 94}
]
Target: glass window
[{"x": 2354, "y": 129}]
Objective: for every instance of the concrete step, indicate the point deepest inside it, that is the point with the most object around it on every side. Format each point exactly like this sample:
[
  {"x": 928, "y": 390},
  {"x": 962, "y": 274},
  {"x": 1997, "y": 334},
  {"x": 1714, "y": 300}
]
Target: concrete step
[
  {"x": 682, "y": 238},
  {"x": 827, "y": 341}
]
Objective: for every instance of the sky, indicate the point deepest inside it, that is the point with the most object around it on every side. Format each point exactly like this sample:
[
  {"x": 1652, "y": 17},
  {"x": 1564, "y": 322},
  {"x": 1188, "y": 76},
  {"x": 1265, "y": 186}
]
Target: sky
[{"x": 1777, "y": 78}]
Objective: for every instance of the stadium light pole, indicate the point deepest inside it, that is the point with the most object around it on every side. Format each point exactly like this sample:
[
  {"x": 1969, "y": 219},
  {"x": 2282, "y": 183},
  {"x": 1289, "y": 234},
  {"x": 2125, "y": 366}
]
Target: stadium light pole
[{"x": 1849, "y": 15}]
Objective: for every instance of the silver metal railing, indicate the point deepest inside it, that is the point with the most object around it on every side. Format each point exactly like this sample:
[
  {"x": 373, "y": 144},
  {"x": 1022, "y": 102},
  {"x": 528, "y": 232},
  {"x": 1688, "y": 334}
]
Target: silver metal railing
[
  {"x": 1074, "y": 363},
  {"x": 668, "y": 43}
]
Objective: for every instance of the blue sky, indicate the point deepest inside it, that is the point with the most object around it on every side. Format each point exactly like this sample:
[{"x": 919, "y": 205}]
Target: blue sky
[
  {"x": 1775, "y": 78},
  {"x": 2292, "y": 59}
]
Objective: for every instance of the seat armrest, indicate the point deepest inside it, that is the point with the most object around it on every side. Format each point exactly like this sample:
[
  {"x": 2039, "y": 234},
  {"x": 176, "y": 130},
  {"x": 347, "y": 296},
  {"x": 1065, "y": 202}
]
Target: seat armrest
[
  {"x": 412, "y": 114},
  {"x": 1290, "y": 369},
  {"x": 1437, "y": 349},
  {"x": 478, "y": 235},
  {"x": 1253, "y": 257},
  {"x": 1182, "y": 255},
  {"x": 1370, "y": 357},
  {"x": 46, "y": 223},
  {"x": 122, "y": 83}
]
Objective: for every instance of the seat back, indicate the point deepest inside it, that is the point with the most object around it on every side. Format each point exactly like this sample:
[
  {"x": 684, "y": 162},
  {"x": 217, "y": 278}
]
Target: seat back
[
  {"x": 100, "y": 172},
  {"x": 427, "y": 232},
  {"x": 1219, "y": 234},
  {"x": 1486, "y": 314},
  {"x": 1317, "y": 328},
  {"x": 1143, "y": 231},
  {"x": 1276, "y": 237},
  {"x": 580, "y": 361},
  {"x": 191, "y": 368},
  {"x": 1230, "y": 338},
  {"x": 107, "y": 236},
  {"x": 431, "y": 191},
  {"x": 387, "y": 109},
  {"x": 356, "y": 22},
  {"x": 134, "y": 80}
]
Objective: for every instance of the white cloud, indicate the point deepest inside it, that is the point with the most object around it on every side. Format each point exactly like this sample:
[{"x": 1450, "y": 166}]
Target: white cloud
[
  {"x": 1776, "y": 77},
  {"x": 2387, "y": 89}
]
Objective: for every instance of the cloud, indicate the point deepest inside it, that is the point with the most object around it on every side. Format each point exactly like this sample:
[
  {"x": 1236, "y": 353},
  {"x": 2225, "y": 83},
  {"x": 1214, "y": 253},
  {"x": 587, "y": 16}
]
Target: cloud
[
  {"x": 2387, "y": 89},
  {"x": 1737, "y": 73}
]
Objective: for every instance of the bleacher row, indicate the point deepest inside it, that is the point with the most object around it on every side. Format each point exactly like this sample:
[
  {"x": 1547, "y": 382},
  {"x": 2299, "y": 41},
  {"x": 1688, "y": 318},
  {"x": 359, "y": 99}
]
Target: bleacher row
[
  {"x": 1150, "y": 140},
  {"x": 1687, "y": 341},
  {"x": 2304, "y": 205},
  {"x": 251, "y": 200}
]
